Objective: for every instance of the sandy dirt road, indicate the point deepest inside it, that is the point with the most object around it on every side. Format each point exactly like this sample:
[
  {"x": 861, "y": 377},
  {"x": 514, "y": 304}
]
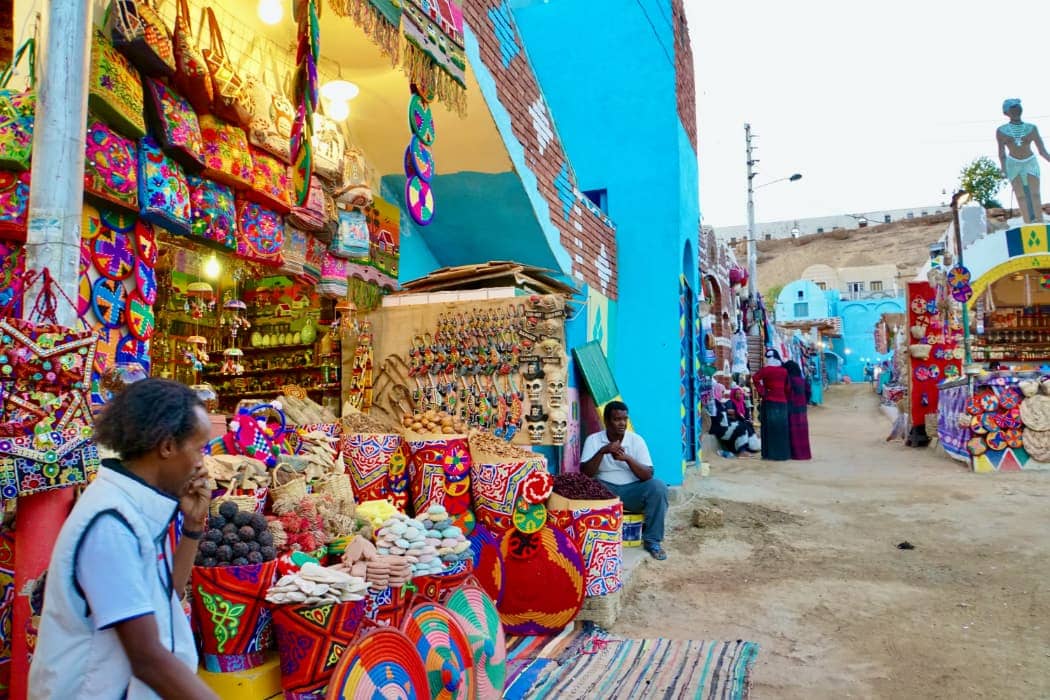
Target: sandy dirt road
[{"x": 807, "y": 565}]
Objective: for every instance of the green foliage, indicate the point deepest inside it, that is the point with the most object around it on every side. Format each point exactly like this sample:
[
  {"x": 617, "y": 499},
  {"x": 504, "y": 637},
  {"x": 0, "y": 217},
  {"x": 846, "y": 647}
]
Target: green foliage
[{"x": 982, "y": 179}]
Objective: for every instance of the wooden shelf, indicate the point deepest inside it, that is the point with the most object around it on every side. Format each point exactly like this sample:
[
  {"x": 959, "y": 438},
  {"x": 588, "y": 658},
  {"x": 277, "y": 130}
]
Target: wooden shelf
[
  {"x": 264, "y": 372},
  {"x": 323, "y": 389},
  {"x": 278, "y": 348}
]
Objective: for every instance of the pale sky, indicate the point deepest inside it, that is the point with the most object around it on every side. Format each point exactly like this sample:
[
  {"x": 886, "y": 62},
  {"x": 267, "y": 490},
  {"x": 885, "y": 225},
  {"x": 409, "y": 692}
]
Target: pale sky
[{"x": 878, "y": 104}]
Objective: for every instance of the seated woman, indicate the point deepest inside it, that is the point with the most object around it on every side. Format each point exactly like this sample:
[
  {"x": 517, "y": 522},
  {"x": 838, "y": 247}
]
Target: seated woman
[{"x": 734, "y": 433}]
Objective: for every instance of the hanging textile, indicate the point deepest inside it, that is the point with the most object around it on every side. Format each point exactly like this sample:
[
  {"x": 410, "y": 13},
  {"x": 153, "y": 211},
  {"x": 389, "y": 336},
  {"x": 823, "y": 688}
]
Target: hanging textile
[
  {"x": 435, "y": 59},
  {"x": 384, "y": 232},
  {"x": 379, "y": 19}
]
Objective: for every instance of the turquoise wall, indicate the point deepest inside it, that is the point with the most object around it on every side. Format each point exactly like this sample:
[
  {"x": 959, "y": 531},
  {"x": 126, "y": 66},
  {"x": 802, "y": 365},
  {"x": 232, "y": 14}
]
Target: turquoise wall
[
  {"x": 613, "y": 101},
  {"x": 417, "y": 259},
  {"x": 480, "y": 217},
  {"x": 803, "y": 292},
  {"x": 858, "y": 331}
]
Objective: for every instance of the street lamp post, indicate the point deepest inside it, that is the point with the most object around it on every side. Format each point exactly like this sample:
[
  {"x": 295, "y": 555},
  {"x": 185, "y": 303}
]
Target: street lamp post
[{"x": 752, "y": 248}]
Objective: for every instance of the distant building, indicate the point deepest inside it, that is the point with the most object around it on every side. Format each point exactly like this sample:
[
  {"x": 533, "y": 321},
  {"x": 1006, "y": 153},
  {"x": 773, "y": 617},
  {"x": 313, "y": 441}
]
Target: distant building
[
  {"x": 819, "y": 297},
  {"x": 796, "y": 228},
  {"x": 867, "y": 282}
]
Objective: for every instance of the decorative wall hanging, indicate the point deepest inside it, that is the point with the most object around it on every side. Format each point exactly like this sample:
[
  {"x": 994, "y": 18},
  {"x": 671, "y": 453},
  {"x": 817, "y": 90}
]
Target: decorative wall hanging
[
  {"x": 113, "y": 255},
  {"x": 379, "y": 19},
  {"x": 17, "y": 112},
  {"x": 111, "y": 168},
  {"x": 419, "y": 162},
  {"x": 164, "y": 196},
  {"x": 435, "y": 57},
  {"x": 115, "y": 89},
  {"x": 108, "y": 299},
  {"x": 14, "y": 205}
]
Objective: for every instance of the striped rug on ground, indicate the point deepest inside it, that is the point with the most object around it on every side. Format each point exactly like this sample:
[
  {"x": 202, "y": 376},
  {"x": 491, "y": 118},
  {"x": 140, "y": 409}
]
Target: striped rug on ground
[{"x": 589, "y": 663}]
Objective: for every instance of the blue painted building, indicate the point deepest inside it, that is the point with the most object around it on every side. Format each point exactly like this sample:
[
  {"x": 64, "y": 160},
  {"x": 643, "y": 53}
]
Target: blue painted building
[
  {"x": 804, "y": 300},
  {"x": 597, "y": 179}
]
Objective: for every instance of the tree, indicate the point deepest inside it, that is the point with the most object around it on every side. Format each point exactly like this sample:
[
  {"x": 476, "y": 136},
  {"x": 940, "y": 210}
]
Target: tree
[{"x": 982, "y": 179}]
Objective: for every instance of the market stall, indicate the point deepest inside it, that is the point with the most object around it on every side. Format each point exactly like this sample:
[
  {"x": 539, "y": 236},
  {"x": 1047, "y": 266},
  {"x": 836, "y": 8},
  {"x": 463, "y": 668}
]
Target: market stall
[
  {"x": 994, "y": 419},
  {"x": 380, "y": 462}
]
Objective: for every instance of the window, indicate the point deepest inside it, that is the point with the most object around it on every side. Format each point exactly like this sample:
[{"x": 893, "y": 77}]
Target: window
[
  {"x": 600, "y": 198},
  {"x": 822, "y": 286},
  {"x": 732, "y": 240},
  {"x": 855, "y": 288},
  {"x": 911, "y": 215},
  {"x": 801, "y": 310},
  {"x": 876, "y": 286},
  {"x": 801, "y": 294},
  {"x": 925, "y": 214},
  {"x": 887, "y": 219},
  {"x": 820, "y": 229},
  {"x": 769, "y": 236}
]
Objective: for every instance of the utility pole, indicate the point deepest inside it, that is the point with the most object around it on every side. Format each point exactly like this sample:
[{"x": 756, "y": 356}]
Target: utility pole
[
  {"x": 752, "y": 252},
  {"x": 53, "y": 241}
]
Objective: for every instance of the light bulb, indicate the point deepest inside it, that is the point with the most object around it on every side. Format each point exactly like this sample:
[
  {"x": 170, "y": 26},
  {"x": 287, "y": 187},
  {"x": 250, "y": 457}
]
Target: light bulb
[
  {"x": 271, "y": 11},
  {"x": 212, "y": 268},
  {"x": 338, "y": 110}
]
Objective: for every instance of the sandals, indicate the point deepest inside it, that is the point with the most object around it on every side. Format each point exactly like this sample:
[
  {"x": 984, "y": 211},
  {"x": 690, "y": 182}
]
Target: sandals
[{"x": 656, "y": 551}]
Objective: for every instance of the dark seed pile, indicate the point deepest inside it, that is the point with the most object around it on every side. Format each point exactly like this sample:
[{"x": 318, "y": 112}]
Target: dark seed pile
[{"x": 580, "y": 487}]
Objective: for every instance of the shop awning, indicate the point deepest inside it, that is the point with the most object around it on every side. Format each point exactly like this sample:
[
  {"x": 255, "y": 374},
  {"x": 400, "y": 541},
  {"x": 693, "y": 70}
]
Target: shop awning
[
  {"x": 827, "y": 326},
  {"x": 493, "y": 274}
]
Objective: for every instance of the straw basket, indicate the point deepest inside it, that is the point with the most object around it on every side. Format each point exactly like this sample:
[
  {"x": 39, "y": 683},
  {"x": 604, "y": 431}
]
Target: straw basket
[
  {"x": 248, "y": 497},
  {"x": 920, "y": 351},
  {"x": 288, "y": 484},
  {"x": 337, "y": 486}
]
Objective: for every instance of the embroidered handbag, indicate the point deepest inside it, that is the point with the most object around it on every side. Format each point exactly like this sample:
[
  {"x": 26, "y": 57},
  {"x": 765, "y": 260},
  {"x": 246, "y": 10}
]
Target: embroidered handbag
[
  {"x": 233, "y": 100},
  {"x": 17, "y": 108},
  {"x": 214, "y": 212},
  {"x": 46, "y": 461},
  {"x": 272, "y": 118},
  {"x": 115, "y": 89},
  {"x": 271, "y": 184},
  {"x": 46, "y": 367},
  {"x": 139, "y": 33},
  {"x": 310, "y": 216},
  {"x": 163, "y": 192},
  {"x": 329, "y": 147},
  {"x": 315, "y": 253},
  {"x": 331, "y": 218},
  {"x": 294, "y": 252},
  {"x": 260, "y": 234},
  {"x": 175, "y": 124},
  {"x": 333, "y": 278},
  {"x": 110, "y": 168},
  {"x": 351, "y": 241},
  {"x": 226, "y": 155},
  {"x": 191, "y": 78},
  {"x": 14, "y": 205}
]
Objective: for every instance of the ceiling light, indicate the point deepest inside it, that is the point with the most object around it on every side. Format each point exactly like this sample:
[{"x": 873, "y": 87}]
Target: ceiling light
[
  {"x": 271, "y": 11},
  {"x": 339, "y": 90},
  {"x": 339, "y": 110}
]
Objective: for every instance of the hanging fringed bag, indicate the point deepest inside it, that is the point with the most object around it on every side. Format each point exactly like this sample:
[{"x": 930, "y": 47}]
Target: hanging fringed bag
[
  {"x": 191, "y": 78},
  {"x": 139, "y": 33},
  {"x": 234, "y": 100}
]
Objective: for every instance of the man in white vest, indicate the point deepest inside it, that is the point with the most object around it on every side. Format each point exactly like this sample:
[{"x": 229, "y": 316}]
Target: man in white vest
[{"x": 112, "y": 624}]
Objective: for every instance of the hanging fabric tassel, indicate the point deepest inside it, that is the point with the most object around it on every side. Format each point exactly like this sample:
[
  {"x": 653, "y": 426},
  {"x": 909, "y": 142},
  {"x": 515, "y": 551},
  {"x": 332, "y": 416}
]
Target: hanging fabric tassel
[{"x": 383, "y": 26}]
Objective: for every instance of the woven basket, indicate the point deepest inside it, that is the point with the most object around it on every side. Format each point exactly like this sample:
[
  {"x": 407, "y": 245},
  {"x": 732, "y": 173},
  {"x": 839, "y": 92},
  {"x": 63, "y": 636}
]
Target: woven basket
[
  {"x": 249, "y": 502},
  {"x": 920, "y": 351},
  {"x": 288, "y": 484},
  {"x": 337, "y": 486}
]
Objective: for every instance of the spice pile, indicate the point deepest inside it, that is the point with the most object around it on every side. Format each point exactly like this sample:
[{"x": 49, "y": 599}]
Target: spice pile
[
  {"x": 316, "y": 585},
  {"x": 298, "y": 526},
  {"x": 235, "y": 538},
  {"x": 485, "y": 443},
  {"x": 363, "y": 423},
  {"x": 580, "y": 487}
]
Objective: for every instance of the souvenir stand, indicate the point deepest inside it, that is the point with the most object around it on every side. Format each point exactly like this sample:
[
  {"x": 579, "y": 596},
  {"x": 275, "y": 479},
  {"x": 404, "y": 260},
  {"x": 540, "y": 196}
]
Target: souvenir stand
[
  {"x": 996, "y": 421},
  {"x": 232, "y": 240},
  {"x": 934, "y": 354}
]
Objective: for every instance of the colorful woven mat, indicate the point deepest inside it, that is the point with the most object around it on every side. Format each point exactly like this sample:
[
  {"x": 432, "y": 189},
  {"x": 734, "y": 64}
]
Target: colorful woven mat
[{"x": 589, "y": 663}]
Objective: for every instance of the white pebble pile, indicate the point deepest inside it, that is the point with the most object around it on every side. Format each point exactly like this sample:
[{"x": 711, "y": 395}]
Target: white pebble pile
[{"x": 447, "y": 539}]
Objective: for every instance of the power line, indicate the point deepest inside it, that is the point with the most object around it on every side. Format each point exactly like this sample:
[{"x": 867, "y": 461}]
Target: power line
[{"x": 656, "y": 34}]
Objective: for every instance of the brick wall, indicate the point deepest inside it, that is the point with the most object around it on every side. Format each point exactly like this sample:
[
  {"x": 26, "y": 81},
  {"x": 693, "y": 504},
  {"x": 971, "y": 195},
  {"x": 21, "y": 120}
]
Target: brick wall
[
  {"x": 683, "y": 64},
  {"x": 716, "y": 259},
  {"x": 586, "y": 234}
]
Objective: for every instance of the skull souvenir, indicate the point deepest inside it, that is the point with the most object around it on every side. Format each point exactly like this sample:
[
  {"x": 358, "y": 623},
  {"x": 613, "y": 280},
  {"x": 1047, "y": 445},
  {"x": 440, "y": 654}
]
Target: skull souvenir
[
  {"x": 555, "y": 389},
  {"x": 533, "y": 370},
  {"x": 534, "y": 389},
  {"x": 549, "y": 328},
  {"x": 536, "y": 431},
  {"x": 550, "y": 349},
  {"x": 559, "y": 426}
]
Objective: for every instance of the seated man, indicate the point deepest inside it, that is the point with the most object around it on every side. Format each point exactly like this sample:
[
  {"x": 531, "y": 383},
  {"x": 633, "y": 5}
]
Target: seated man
[{"x": 620, "y": 460}]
